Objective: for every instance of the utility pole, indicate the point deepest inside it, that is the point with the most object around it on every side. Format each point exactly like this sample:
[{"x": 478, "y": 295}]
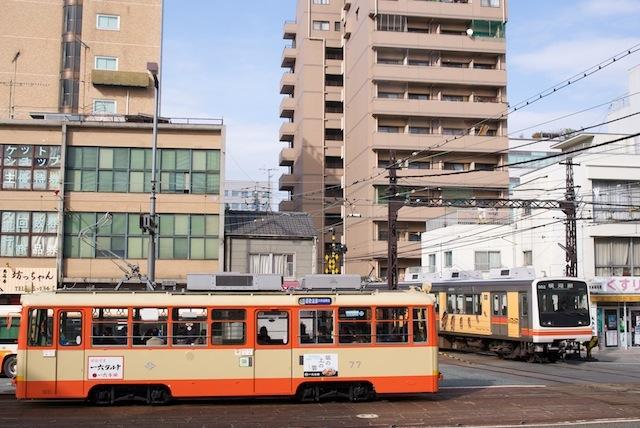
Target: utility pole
[
  {"x": 392, "y": 239},
  {"x": 571, "y": 229}
]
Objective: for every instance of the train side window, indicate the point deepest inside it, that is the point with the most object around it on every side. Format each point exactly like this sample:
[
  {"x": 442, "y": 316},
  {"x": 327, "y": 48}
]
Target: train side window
[
  {"x": 150, "y": 326},
  {"x": 316, "y": 327},
  {"x": 460, "y": 304},
  {"x": 109, "y": 326},
  {"x": 273, "y": 328},
  {"x": 228, "y": 326},
  {"x": 41, "y": 327},
  {"x": 477, "y": 304},
  {"x": 496, "y": 304},
  {"x": 524, "y": 307},
  {"x": 189, "y": 326},
  {"x": 392, "y": 325},
  {"x": 451, "y": 303},
  {"x": 419, "y": 324},
  {"x": 354, "y": 325},
  {"x": 503, "y": 304},
  {"x": 70, "y": 323}
]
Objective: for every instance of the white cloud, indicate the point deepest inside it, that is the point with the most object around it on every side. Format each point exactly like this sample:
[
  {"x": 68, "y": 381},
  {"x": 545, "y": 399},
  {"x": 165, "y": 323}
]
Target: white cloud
[{"x": 611, "y": 7}]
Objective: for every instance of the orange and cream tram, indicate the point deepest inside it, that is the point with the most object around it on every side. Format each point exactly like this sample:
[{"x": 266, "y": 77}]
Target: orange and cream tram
[{"x": 153, "y": 346}]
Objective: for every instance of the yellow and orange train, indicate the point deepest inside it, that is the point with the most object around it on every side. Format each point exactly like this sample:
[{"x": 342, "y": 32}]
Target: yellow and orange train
[{"x": 153, "y": 346}]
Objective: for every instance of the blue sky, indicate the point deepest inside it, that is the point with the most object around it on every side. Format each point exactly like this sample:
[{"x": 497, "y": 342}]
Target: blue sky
[{"x": 224, "y": 61}]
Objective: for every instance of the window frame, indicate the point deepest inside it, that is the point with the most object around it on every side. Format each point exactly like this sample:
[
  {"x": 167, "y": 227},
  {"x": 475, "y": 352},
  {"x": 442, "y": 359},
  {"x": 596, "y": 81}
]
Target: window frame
[
  {"x": 107, "y": 15},
  {"x": 51, "y": 166},
  {"x": 108, "y": 58},
  {"x": 103, "y": 100},
  {"x": 30, "y": 235}
]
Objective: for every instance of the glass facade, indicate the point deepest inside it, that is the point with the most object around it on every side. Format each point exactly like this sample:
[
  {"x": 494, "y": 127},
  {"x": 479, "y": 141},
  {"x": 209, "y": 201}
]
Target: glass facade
[
  {"x": 28, "y": 167},
  {"x": 182, "y": 236},
  {"x": 125, "y": 170},
  {"x": 28, "y": 234}
]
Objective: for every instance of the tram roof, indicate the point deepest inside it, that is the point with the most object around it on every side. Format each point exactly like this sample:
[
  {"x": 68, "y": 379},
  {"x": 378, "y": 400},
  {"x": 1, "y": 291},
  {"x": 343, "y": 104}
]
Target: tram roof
[{"x": 145, "y": 298}]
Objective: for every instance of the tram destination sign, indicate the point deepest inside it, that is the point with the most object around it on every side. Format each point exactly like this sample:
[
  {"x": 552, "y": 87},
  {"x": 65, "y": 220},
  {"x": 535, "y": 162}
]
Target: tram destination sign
[{"x": 314, "y": 301}]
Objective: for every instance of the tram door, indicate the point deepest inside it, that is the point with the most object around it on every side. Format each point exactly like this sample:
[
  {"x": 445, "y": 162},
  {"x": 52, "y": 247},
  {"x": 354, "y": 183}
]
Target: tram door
[
  {"x": 272, "y": 359},
  {"x": 41, "y": 356},
  {"x": 499, "y": 320},
  {"x": 70, "y": 353}
]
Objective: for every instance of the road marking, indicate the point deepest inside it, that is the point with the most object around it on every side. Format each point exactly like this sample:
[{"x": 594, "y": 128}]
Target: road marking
[
  {"x": 494, "y": 386},
  {"x": 561, "y": 424},
  {"x": 367, "y": 416}
]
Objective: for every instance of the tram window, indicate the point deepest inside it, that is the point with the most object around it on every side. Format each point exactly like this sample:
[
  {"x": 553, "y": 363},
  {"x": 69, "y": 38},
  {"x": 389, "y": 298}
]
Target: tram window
[
  {"x": 109, "y": 326},
  {"x": 354, "y": 325},
  {"x": 460, "y": 304},
  {"x": 451, "y": 303},
  {"x": 9, "y": 328},
  {"x": 503, "y": 304},
  {"x": 273, "y": 328},
  {"x": 419, "y": 324},
  {"x": 228, "y": 326},
  {"x": 476, "y": 306},
  {"x": 41, "y": 327},
  {"x": 316, "y": 327},
  {"x": 496, "y": 304},
  {"x": 150, "y": 326},
  {"x": 524, "y": 308},
  {"x": 189, "y": 326},
  {"x": 70, "y": 328},
  {"x": 392, "y": 325}
]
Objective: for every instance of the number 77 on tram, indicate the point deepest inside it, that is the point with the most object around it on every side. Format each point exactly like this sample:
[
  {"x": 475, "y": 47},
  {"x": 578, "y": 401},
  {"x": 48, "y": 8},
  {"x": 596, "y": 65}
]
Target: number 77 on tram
[{"x": 106, "y": 346}]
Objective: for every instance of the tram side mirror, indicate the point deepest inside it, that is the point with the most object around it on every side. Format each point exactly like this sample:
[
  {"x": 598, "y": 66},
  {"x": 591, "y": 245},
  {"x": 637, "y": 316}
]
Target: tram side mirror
[{"x": 149, "y": 314}]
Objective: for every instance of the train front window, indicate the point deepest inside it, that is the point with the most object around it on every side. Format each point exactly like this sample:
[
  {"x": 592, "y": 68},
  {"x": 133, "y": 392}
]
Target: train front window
[{"x": 563, "y": 303}]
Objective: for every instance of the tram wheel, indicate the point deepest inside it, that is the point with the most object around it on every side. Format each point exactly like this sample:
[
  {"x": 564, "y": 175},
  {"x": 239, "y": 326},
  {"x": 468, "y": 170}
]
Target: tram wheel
[
  {"x": 158, "y": 395},
  {"x": 10, "y": 366},
  {"x": 361, "y": 392},
  {"x": 102, "y": 396}
]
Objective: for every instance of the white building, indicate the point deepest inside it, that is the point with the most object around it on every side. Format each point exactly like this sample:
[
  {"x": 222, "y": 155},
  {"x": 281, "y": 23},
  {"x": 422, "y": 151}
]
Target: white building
[
  {"x": 607, "y": 183},
  {"x": 248, "y": 195}
]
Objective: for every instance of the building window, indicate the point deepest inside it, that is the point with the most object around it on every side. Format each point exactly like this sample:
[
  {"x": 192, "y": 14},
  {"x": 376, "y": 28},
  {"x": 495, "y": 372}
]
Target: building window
[
  {"x": 336, "y": 25},
  {"x": 73, "y": 19},
  {"x": 192, "y": 237},
  {"x": 104, "y": 107},
  {"x": 27, "y": 167},
  {"x": 448, "y": 259},
  {"x": 28, "y": 234},
  {"x": 321, "y": 25},
  {"x": 71, "y": 55},
  {"x": 527, "y": 258},
  {"x": 617, "y": 256},
  {"x": 396, "y": 23},
  {"x": 108, "y": 22},
  {"x": 106, "y": 63},
  {"x": 122, "y": 170},
  {"x": 485, "y": 260},
  {"x": 431, "y": 263},
  {"x": 270, "y": 263},
  {"x": 320, "y": 1},
  {"x": 609, "y": 193},
  {"x": 492, "y": 29},
  {"x": 490, "y": 3}
]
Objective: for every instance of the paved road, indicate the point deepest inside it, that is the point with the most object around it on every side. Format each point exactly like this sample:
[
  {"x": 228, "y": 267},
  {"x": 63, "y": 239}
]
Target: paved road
[{"x": 477, "y": 391}]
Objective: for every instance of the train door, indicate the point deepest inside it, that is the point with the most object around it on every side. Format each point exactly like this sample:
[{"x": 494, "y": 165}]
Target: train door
[
  {"x": 499, "y": 314},
  {"x": 524, "y": 314},
  {"x": 273, "y": 353},
  {"x": 40, "y": 361},
  {"x": 70, "y": 354}
]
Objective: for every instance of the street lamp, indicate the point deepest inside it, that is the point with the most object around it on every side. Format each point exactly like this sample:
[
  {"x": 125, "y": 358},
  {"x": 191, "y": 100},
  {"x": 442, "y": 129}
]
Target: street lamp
[{"x": 152, "y": 226}]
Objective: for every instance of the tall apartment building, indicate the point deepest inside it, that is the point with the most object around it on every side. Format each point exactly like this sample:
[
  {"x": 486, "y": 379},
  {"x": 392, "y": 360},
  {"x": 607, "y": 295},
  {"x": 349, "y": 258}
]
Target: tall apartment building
[
  {"x": 424, "y": 78},
  {"x": 77, "y": 56},
  {"x": 75, "y": 150}
]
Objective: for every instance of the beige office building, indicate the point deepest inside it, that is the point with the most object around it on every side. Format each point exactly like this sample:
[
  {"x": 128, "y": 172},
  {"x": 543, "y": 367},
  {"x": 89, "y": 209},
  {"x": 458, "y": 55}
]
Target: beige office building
[
  {"x": 76, "y": 102},
  {"x": 77, "y": 56},
  {"x": 424, "y": 78}
]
